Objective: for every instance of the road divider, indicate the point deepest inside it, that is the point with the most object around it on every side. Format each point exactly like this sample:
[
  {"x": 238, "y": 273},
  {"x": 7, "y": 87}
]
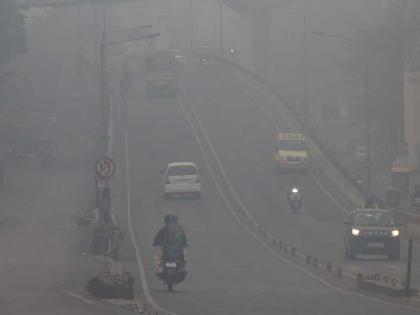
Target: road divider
[
  {"x": 384, "y": 285},
  {"x": 113, "y": 282},
  {"x": 288, "y": 253}
]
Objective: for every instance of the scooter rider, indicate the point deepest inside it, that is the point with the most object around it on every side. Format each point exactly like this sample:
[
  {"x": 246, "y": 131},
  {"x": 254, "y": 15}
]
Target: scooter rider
[
  {"x": 294, "y": 191},
  {"x": 171, "y": 240}
]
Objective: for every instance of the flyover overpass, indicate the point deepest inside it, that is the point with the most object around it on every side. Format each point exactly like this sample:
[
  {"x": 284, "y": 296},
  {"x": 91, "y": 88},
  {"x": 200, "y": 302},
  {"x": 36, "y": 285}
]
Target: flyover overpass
[
  {"x": 255, "y": 27},
  {"x": 64, "y": 3},
  {"x": 255, "y": 5}
]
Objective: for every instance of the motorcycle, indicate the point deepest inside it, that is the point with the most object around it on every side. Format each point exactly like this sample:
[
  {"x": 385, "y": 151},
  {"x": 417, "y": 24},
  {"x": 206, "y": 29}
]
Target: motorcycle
[
  {"x": 359, "y": 180},
  {"x": 173, "y": 273},
  {"x": 203, "y": 61},
  {"x": 295, "y": 199}
]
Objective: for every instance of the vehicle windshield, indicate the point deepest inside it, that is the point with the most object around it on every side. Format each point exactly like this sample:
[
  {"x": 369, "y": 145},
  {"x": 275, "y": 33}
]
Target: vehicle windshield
[
  {"x": 182, "y": 170},
  {"x": 292, "y": 146},
  {"x": 377, "y": 218}
]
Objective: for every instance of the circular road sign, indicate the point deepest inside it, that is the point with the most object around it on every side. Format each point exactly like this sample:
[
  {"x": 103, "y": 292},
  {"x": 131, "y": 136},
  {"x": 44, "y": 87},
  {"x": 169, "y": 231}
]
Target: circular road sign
[{"x": 105, "y": 168}]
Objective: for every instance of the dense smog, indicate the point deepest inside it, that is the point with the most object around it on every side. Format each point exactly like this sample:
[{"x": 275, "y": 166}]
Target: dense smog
[{"x": 217, "y": 157}]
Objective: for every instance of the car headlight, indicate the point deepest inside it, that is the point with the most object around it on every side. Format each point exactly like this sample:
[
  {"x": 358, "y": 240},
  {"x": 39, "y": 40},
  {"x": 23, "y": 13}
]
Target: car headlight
[
  {"x": 355, "y": 232},
  {"x": 395, "y": 233}
]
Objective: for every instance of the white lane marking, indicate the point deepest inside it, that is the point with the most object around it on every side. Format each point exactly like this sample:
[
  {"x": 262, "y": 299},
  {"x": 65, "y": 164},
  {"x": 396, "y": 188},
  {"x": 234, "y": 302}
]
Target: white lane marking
[
  {"x": 221, "y": 168},
  {"x": 140, "y": 264},
  {"x": 252, "y": 234},
  {"x": 80, "y": 297},
  {"x": 219, "y": 164}
]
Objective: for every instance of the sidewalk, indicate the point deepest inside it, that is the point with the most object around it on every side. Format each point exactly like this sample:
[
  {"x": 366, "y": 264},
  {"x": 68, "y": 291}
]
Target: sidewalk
[{"x": 43, "y": 266}]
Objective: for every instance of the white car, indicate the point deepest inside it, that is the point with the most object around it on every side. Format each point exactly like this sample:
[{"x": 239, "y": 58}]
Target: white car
[{"x": 181, "y": 178}]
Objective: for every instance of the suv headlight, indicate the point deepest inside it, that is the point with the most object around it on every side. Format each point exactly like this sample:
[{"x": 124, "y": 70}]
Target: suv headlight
[
  {"x": 395, "y": 233},
  {"x": 355, "y": 232}
]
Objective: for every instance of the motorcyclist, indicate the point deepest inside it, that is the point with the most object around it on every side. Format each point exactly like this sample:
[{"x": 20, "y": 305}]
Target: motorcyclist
[
  {"x": 203, "y": 60},
  {"x": 171, "y": 240},
  {"x": 294, "y": 193},
  {"x": 294, "y": 189}
]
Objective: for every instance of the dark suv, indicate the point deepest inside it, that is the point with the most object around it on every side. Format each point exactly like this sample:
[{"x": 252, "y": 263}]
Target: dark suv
[{"x": 372, "y": 231}]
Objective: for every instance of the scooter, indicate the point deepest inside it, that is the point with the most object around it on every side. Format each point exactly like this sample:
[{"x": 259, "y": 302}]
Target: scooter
[
  {"x": 173, "y": 273},
  {"x": 295, "y": 200},
  {"x": 203, "y": 61}
]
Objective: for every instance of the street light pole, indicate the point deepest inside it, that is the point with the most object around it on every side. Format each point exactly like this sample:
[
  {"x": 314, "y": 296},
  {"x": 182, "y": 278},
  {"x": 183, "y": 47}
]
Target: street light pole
[
  {"x": 95, "y": 32},
  {"x": 367, "y": 117},
  {"x": 103, "y": 198},
  {"x": 220, "y": 32},
  {"x": 306, "y": 65},
  {"x": 103, "y": 87}
]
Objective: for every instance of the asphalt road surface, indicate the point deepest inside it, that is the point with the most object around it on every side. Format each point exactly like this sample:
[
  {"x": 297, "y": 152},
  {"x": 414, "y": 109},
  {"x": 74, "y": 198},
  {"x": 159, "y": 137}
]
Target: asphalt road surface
[{"x": 229, "y": 271}]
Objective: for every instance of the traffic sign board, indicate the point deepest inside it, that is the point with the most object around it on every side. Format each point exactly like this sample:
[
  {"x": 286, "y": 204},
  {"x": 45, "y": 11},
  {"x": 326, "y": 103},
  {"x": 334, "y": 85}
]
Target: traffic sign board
[{"x": 105, "y": 168}]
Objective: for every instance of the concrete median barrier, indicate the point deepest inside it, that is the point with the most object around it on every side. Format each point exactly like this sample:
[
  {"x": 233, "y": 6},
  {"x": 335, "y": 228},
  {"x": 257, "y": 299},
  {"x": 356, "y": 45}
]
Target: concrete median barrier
[
  {"x": 113, "y": 282},
  {"x": 384, "y": 285}
]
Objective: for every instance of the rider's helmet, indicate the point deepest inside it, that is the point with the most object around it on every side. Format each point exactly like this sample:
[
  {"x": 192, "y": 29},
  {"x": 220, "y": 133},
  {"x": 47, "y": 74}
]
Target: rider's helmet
[{"x": 171, "y": 218}]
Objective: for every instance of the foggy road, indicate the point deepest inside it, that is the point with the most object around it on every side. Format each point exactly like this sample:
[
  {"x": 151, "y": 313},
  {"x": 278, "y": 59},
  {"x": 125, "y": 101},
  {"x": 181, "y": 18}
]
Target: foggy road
[
  {"x": 43, "y": 265},
  {"x": 229, "y": 272},
  {"x": 84, "y": 80},
  {"x": 244, "y": 135}
]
